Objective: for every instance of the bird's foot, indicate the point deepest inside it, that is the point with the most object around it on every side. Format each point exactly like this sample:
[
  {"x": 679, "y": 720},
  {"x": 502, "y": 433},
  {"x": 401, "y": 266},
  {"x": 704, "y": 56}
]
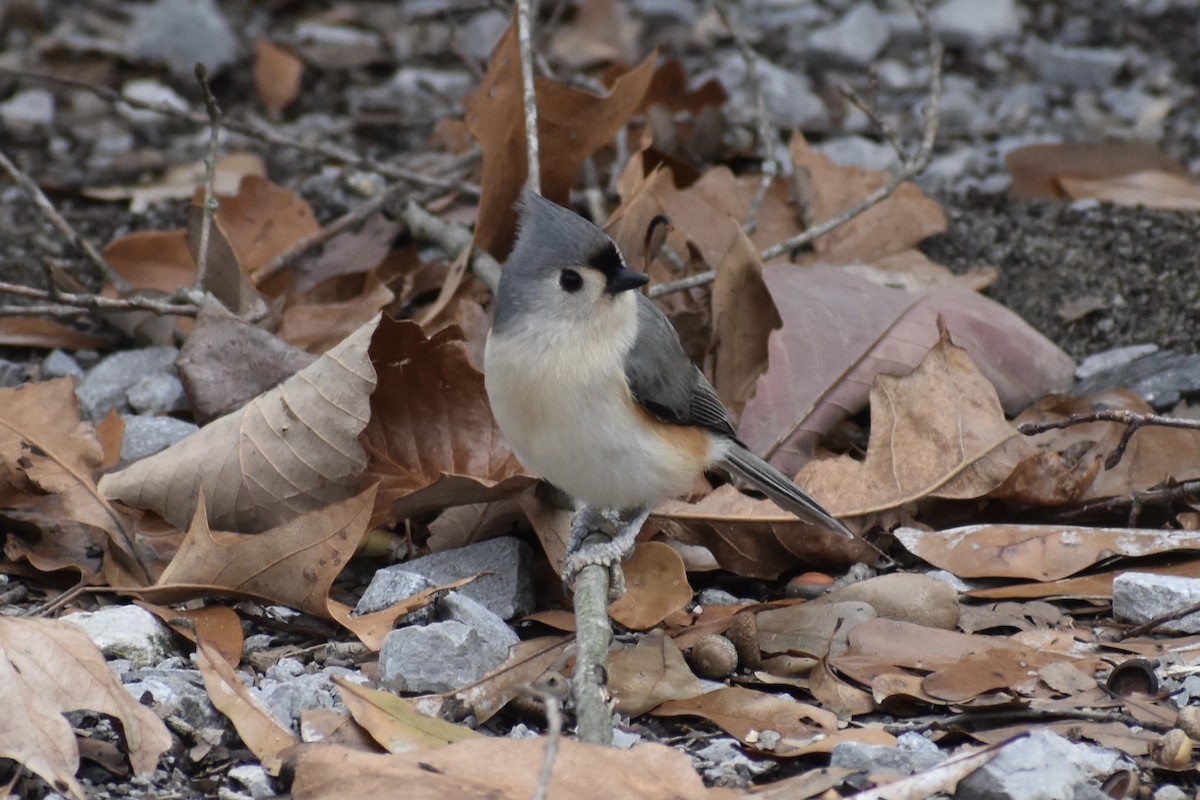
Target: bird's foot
[{"x": 622, "y": 535}]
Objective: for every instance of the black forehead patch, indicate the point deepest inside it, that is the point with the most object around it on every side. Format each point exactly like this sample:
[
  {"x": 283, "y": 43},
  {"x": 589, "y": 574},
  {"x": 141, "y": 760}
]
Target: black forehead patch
[{"x": 607, "y": 259}]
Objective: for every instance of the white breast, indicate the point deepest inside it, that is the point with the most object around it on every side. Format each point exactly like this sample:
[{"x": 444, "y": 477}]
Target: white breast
[{"x": 562, "y": 401}]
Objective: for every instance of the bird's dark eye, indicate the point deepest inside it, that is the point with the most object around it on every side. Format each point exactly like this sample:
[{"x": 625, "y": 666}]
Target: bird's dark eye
[{"x": 570, "y": 280}]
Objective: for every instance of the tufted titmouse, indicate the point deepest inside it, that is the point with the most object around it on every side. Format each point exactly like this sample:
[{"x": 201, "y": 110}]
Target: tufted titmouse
[{"x": 593, "y": 390}]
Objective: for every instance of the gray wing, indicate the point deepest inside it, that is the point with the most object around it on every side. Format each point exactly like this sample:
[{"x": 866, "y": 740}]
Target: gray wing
[{"x": 664, "y": 380}]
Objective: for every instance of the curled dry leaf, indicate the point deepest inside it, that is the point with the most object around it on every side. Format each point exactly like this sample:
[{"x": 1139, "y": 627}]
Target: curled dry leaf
[
  {"x": 744, "y": 315},
  {"x": 431, "y": 439},
  {"x": 394, "y": 723},
  {"x": 1069, "y": 463},
  {"x": 49, "y": 668},
  {"x": 651, "y": 672},
  {"x": 891, "y": 226},
  {"x": 258, "y": 730},
  {"x": 1038, "y": 169},
  {"x": 840, "y": 331},
  {"x": 220, "y": 626},
  {"x": 755, "y": 538},
  {"x": 1037, "y": 552},
  {"x": 47, "y": 460},
  {"x": 47, "y": 334},
  {"x": 744, "y": 713},
  {"x": 1144, "y": 189},
  {"x": 656, "y": 586},
  {"x": 500, "y": 769},
  {"x": 292, "y": 449},
  {"x": 936, "y": 432},
  {"x": 572, "y": 126},
  {"x": 277, "y": 74},
  {"x": 527, "y": 661},
  {"x": 293, "y": 564}
]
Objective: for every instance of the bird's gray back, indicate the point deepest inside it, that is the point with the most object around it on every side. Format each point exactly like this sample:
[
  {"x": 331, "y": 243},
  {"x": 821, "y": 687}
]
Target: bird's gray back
[{"x": 665, "y": 381}]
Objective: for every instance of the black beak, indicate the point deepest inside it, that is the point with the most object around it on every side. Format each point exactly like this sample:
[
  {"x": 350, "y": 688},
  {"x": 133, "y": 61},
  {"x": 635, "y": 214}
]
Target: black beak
[{"x": 624, "y": 279}]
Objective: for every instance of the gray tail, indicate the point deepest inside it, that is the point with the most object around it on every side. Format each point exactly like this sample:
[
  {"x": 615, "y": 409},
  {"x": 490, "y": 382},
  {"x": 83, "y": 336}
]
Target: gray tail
[{"x": 777, "y": 486}]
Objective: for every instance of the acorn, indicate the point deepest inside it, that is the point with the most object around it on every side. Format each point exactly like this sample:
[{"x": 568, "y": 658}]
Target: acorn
[
  {"x": 714, "y": 657},
  {"x": 1188, "y": 721},
  {"x": 743, "y": 632},
  {"x": 1172, "y": 750}
]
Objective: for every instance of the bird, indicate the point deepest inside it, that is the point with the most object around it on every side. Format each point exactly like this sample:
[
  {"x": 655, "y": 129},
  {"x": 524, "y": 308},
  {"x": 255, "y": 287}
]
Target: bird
[{"x": 593, "y": 391}]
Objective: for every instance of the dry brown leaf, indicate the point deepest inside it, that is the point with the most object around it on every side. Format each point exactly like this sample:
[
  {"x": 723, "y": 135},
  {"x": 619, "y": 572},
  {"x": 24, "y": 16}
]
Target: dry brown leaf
[
  {"x": 49, "y": 668},
  {"x": 744, "y": 315},
  {"x": 651, "y": 672},
  {"x": 154, "y": 263},
  {"x": 227, "y": 361},
  {"x": 1145, "y": 189},
  {"x": 500, "y": 769},
  {"x": 293, "y": 449},
  {"x": 293, "y": 564},
  {"x": 371, "y": 628},
  {"x": 837, "y": 695},
  {"x": 1037, "y": 552},
  {"x": 1068, "y": 464},
  {"x": 356, "y": 250},
  {"x": 220, "y": 626},
  {"x": 936, "y": 432},
  {"x": 572, "y": 126},
  {"x": 1038, "y": 169},
  {"x": 1097, "y": 586},
  {"x": 225, "y": 276},
  {"x": 321, "y": 317},
  {"x": 745, "y": 713},
  {"x": 47, "y": 460},
  {"x": 180, "y": 182},
  {"x": 840, "y": 331},
  {"x": 259, "y": 731},
  {"x": 602, "y": 31},
  {"x": 261, "y": 221},
  {"x": 527, "y": 661},
  {"x": 431, "y": 439},
  {"x": 1012, "y": 670},
  {"x": 277, "y": 75},
  {"x": 45, "y": 333},
  {"x": 656, "y": 586},
  {"x": 810, "y": 629},
  {"x": 41, "y": 535},
  {"x": 892, "y": 226},
  {"x": 755, "y": 537},
  {"x": 394, "y": 723}
]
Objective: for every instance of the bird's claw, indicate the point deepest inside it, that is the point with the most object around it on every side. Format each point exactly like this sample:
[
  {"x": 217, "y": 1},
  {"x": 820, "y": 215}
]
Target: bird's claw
[{"x": 622, "y": 535}]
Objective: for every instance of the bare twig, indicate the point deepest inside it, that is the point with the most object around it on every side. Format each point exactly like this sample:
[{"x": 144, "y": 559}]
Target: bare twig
[
  {"x": 51, "y": 214},
  {"x": 593, "y": 635},
  {"x": 257, "y": 130},
  {"x": 552, "y": 703},
  {"x": 533, "y": 175},
  {"x": 1151, "y": 624},
  {"x": 767, "y": 139},
  {"x": 911, "y": 166},
  {"x": 68, "y": 303},
  {"x": 1130, "y": 419},
  {"x": 453, "y": 238},
  {"x": 343, "y": 223},
  {"x": 210, "y": 175}
]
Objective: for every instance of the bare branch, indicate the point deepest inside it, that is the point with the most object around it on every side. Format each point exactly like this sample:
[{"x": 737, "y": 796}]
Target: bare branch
[
  {"x": 911, "y": 166},
  {"x": 533, "y": 175},
  {"x": 767, "y": 139},
  {"x": 1130, "y": 419},
  {"x": 453, "y": 238},
  {"x": 65, "y": 228},
  {"x": 210, "y": 175},
  {"x": 69, "y": 303}
]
